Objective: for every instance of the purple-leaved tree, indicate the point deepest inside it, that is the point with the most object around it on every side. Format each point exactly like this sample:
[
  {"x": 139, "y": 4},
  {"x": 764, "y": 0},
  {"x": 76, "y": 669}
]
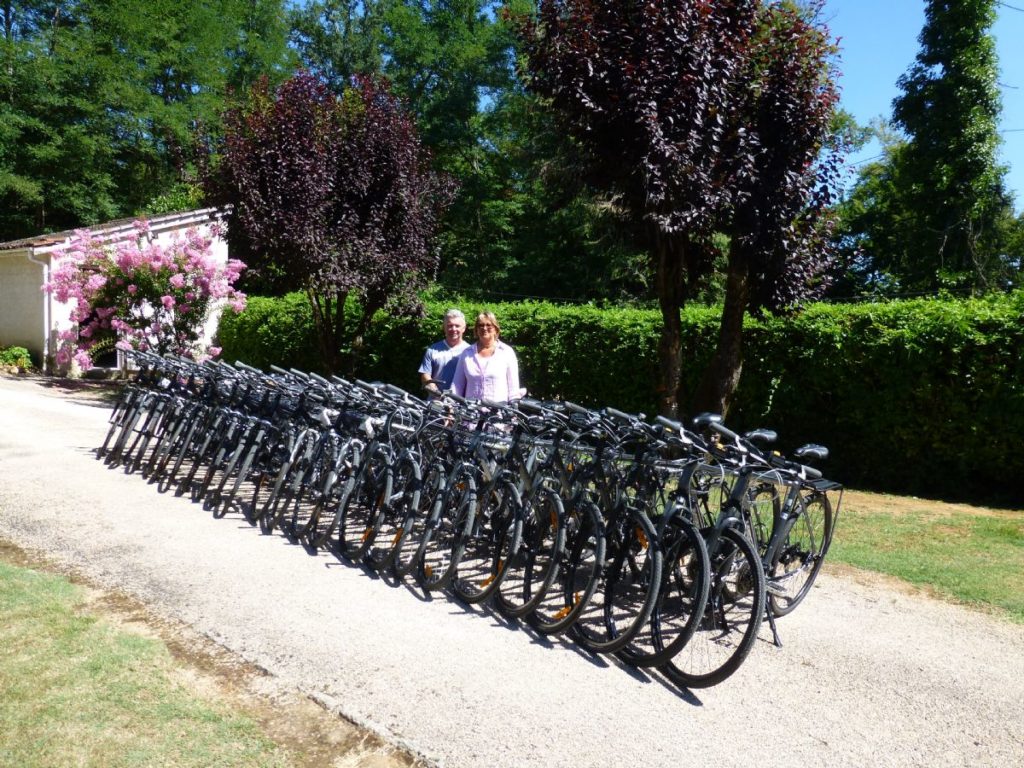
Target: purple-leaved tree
[
  {"x": 334, "y": 197},
  {"x": 699, "y": 119}
]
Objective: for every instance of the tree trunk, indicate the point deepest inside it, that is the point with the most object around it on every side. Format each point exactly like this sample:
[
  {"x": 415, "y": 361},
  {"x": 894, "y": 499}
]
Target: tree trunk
[
  {"x": 670, "y": 286},
  {"x": 327, "y": 319},
  {"x": 722, "y": 376}
]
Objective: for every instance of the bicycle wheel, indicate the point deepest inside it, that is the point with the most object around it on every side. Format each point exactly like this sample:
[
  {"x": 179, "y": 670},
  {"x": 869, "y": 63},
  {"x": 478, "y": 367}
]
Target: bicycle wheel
[
  {"x": 405, "y": 497},
  {"x": 117, "y": 452},
  {"x": 121, "y": 412},
  {"x": 151, "y": 432},
  {"x": 335, "y": 490},
  {"x": 532, "y": 568},
  {"x": 795, "y": 563},
  {"x": 624, "y": 600},
  {"x": 363, "y": 506},
  {"x": 763, "y": 506},
  {"x": 579, "y": 571},
  {"x": 221, "y": 455},
  {"x": 732, "y": 614},
  {"x": 170, "y": 429},
  {"x": 685, "y": 579},
  {"x": 187, "y": 448},
  {"x": 447, "y": 530},
  {"x": 289, "y": 474},
  {"x": 169, "y": 445},
  {"x": 495, "y": 537},
  {"x": 408, "y": 548}
]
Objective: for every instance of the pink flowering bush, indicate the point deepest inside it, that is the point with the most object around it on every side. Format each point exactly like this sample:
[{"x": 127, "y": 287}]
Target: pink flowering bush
[{"x": 139, "y": 294}]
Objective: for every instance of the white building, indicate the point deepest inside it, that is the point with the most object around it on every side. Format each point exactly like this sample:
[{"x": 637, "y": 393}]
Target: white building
[{"x": 31, "y": 318}]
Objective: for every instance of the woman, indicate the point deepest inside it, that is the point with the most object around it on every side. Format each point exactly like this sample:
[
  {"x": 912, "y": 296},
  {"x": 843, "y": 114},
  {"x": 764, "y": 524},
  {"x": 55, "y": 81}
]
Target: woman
[{"x": 488, "y": 370}]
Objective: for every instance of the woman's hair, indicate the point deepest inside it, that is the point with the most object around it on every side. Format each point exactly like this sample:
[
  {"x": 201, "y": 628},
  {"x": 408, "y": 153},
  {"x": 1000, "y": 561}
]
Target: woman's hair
[{"x": 490, "y": 318}]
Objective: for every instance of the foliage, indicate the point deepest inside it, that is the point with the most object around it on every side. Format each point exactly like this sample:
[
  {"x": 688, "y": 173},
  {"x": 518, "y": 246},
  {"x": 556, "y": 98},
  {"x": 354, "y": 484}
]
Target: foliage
[
  {"x": 139, "y": 294},
  {"x": 272, "y": 331},
  {"x": 923, "y": 397},
  {"x": 449, "y": 59},
  {"x": 15, "y": 357},
  {"x": 99, "y": 100},
  {"x": 699, "y": 118},
  {"x": 338, "y": 39},
  {"x": 935, "y": 214},
  {"x": 334, "y": 197},
  {"x": 517, "y": 218}
]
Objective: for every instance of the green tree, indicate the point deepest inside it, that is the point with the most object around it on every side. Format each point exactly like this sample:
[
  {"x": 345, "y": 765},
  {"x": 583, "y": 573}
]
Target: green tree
[
  {"x": 100, "y": 100},
  {"x": 337, "y": 39},
  {"x": 943, "y": 213},
  {"x": 55, "y": 153}
]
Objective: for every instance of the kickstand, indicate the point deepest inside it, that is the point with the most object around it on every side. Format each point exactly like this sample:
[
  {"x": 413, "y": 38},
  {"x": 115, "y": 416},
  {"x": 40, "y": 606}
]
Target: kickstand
[{"x": 771, "y": 623}]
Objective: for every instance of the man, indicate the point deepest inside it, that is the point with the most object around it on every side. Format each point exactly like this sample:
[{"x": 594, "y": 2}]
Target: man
[{"x": 440, "y": 359}]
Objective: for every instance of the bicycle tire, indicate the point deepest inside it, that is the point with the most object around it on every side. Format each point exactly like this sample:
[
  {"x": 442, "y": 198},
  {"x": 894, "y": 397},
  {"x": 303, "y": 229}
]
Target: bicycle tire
[
  {"x": 579, "y": 571},
  {"x": 405, "y": 494},
  {"x": 531, "y": 570},
  {"x": 682, "y": 595},
  {"x": 763, "y": 506},
  {"x": 185, "y": 449},
  {"x": 495, "y": 537},
  {"x": 795, "y": 564},
  {"x": 363, "y": 506},
  {"x": 732, "y": 615},
  {"x": 169, "y": 443},
  {"x": 447, "y": 530},
  {"x": 115, "y": 455},
  {"x": 408, "y": 548},
  {"x": 271, "y": 516},
  {"x": 625, "y": 598},
  {"x": 118, "y": 415}
]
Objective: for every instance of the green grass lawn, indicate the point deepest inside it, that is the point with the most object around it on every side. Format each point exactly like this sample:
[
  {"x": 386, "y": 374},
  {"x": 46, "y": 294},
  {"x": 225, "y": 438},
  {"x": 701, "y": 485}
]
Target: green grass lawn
[
  {"x": 74, "y": 691},
  {"x": 969, "y": 554}
]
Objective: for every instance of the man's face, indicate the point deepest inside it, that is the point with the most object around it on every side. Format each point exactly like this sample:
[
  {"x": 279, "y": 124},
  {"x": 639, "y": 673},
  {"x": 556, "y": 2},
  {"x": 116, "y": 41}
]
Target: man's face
[{"x": 453, "y": 330}]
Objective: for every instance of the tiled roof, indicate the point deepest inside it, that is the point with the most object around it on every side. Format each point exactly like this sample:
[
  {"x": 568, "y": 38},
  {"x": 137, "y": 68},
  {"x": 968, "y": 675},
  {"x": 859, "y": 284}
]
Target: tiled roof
[{"x": 155, "y": 222}]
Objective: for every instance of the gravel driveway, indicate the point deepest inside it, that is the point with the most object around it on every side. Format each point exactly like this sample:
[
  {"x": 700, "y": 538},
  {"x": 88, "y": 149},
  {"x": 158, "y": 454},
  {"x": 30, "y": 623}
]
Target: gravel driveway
[{"x": 868, "y": 675}]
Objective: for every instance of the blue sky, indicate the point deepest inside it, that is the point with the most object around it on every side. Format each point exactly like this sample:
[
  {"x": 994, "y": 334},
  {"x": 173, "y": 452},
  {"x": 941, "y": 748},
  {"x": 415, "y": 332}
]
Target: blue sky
[{"x": 878, "y": 44}]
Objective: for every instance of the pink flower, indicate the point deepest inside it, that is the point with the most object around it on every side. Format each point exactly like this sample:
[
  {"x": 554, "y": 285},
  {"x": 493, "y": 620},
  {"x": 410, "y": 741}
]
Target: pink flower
[
  {"x": 167, "y": 301},
  {"x": 178, "y": 281},
  {"x": 133, "y": 289},
  {"x": 83, "y": 360}
]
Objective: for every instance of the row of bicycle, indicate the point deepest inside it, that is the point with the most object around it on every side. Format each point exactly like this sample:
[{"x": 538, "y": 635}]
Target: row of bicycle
[{"x": 665, "y": 545}]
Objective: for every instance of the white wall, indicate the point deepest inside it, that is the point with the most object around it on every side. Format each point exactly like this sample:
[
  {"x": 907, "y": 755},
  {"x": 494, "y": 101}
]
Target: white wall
[{"x": 22, "y": 303}]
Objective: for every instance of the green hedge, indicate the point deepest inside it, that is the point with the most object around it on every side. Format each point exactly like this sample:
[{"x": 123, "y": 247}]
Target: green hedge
[{"x": 923, "y": 397}]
